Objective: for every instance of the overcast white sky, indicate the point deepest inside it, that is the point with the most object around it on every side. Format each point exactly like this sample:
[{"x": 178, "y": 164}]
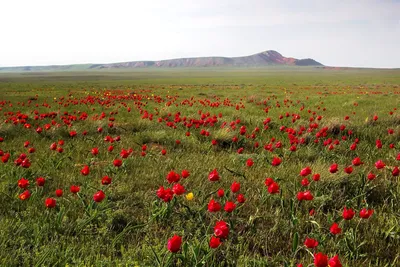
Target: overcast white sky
[{"x": 361, "y": 33}]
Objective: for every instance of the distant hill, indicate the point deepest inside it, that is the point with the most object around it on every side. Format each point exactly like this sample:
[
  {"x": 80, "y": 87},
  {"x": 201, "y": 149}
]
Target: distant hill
[{"x": 266, "y": 58}]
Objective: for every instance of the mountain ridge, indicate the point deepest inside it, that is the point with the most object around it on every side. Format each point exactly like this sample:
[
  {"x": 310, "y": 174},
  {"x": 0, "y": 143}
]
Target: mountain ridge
[{"x": 265, "y": 58}]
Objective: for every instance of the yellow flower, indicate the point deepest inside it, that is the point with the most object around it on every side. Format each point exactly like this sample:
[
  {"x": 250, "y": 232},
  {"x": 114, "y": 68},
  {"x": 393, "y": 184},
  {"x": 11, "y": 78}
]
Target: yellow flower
[{"x": 189, "y": 196}]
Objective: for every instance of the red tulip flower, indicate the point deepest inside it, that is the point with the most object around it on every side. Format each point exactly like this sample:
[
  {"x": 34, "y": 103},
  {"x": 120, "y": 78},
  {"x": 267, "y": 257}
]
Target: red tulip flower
[
  {"x": 320, "y": 260},
  {"x": 99, "y": 196},
  {"x": 305, "y": 182},
  {"x": 316, "y": 177},
  {"x": 106, "y": 180},
  {"x": 305, "y": 172},
  {"x": 380, "y": 164},
  {"x": 249, "y": 163},
  {"x": 85, "y": 170},
  {"x": 268, "y": 181},
  {"x": 229, "y": 206},
  {"x": 95, "y": 151},
  {"x": 23, "y": 183},
  {"x": 215, "y": 242},
  {"x": 334, "y": 262},
  {"x": 213, "y": 206},
  {"x": 213, "y": 176},
  {"x": 74, "y": 189},
  {"x": 348, "y": 169},
  {"x": 365, "y": 213},
  {"x": 371, "y": 176},
  {"x": 334, "y": 229},
  {"x": 25, "y": 195},
  {"x": 310, "y": 243},
  {"x": 276, "y": 161},
  {"x": 333, "y": 168},
  {"x": 348, "y": 214},
  {"x": 240, "y": 198},
  {"x": 50, "y": 203},
  {"x": 117, "y": 163},
  {"x": 173, "y": 177},
  {"x": 185, "y": 174},
  {"x": 221, "y": 229},
  {"x": 220, "y": 192},
  {"x": 235, "y": 187},
  {"x": 395, "y": 171},
  {"x": 178, "y": 189},
  {"x": 59, "y": 192},
  {"x": 357, "y": 161},
  {"x": 273, "y": 188},
  {"x": 40, "y": 181},
  {"x": 174, "y": 243}
]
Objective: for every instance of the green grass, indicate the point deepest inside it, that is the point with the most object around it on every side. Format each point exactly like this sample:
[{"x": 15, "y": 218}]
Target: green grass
[{"x": 131, "y": 226}]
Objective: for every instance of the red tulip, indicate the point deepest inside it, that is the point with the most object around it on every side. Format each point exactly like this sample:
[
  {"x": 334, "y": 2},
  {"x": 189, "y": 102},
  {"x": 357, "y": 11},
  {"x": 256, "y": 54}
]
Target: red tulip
[
  {"x": 95, "y": 151},
  {"x": 185, "y": 174},
  {"x": 333, "y": 168},
  {"x": 395, "y": 171},
  {"x": 348, "y": 169},
  {"x": 353, "y": 146},
  {"x": 380, "y": 164},
  {"x": 173, "y": 177},
  {"x": 117, "y": 162},
  {"x": 348, "y": 214},
  {"x": 213, "y": 176},
  {"x": 357, "y": 161},
  {"x": 335, "y": 262},
  {"x": 59, "y": 192},
  {"x": 305, "y": 172},
  {"x": 106, "y": 180},
  {"x": 99, "y": 196},
  {"x": 249, "y": 162},
  {"x": 178, "y": 189},
  {"x": 240, "y": 198},
  {"x": 268, "y": 181},
  {"x": 371, "y": 176},
  {"x": 311, "y": 212},
  {"x": 273, "y": 188},
  {"x": 221, "y": 229},
  {"x": 229, "y": 206},
  {"x": 316, "y": 177},
  {"x": 23, "y": 183},
  {"x": 310, "y": 243},
  {"x": 215, "y": 242},
  {"x": 305, "y": 182},
  {"x": 174, "y": 243},
  {"x": 85, "y": 170},
  {"x": 50, "y": 203},
  {"x": 74, "y": 189},
  {"x": 220, "y": 192},
  {"x": 320, "y": 260},
  {"x": 276, "y": 161},
  {"x": 365, "y": 214},
  {"x": 214, "y": 206},
  {"x": 334, "y": 229},
  {"x": 25, "y": 195},
  {"x": 40, "y": 181},
  {"x": 235, "y": 187}
]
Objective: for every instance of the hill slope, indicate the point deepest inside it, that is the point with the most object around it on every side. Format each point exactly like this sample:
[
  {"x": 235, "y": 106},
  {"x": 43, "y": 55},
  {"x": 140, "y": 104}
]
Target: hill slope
[{"x": 266, "y": 58}]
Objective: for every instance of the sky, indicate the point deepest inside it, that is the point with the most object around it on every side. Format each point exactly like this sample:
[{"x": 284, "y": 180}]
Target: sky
[{"x": 353, "y": 33}]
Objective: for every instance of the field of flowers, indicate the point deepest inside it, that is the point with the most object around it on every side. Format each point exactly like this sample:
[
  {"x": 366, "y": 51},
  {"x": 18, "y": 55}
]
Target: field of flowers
[{"x": 200, "y": 169}]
